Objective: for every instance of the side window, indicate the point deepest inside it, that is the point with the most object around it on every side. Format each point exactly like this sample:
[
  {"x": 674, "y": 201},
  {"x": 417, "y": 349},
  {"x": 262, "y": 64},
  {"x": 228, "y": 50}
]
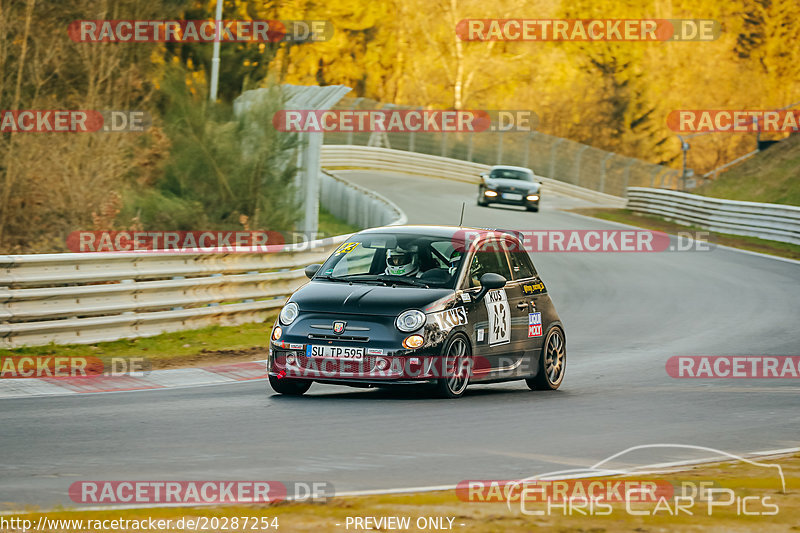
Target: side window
[
  {"x": 490, "y": 257},
  {"x": 521, "y": 265}
]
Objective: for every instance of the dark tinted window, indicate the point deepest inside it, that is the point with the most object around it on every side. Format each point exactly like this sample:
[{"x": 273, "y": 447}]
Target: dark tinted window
[
  {"x": 521, "y": 265},
  {"x": 491, "y": 257}
]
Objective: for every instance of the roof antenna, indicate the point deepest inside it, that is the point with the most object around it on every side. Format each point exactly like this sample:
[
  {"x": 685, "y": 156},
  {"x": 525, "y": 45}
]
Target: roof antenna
[{"x": 461, "y": 222}]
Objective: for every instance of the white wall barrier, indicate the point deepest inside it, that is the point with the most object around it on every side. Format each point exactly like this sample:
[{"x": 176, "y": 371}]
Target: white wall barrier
[{"x": 356, "y": 205}]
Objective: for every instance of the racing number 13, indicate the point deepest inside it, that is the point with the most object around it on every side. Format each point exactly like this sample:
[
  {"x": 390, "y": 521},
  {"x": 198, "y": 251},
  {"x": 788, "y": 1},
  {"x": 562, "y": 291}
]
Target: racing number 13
[{"x": 499, "y": 317}]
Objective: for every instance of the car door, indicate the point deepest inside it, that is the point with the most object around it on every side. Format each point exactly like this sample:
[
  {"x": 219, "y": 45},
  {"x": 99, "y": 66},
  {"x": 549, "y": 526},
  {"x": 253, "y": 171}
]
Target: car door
[
  {"x": 532, "y": 293},
  {"x": 520, "y": 307},
  {"x": 492, "y": 317}
]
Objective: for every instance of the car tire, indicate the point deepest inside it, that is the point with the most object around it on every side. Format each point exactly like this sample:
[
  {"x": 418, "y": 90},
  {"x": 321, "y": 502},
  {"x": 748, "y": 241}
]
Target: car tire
[
  {"x": 552, "y": 363},
  {"x": 457, "y": 350},
  {"x": 535, "y": 209},
  {"x": 289, "y": 386},
  {"x": 480, "y": 201}
]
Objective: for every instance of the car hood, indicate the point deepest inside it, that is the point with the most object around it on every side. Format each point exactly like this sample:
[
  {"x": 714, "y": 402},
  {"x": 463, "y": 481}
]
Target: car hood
[
  {"x": 364, "y": 299},
  {"x": 517, "y": 184}
]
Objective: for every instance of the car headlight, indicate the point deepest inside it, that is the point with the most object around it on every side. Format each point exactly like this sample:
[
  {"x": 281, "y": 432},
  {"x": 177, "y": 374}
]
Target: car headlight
[
  {"x": 410, "y": 320},
  {"x": 288, "y": 313}
]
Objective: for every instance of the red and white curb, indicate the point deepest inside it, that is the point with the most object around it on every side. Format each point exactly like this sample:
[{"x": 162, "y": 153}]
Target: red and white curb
[{"x": 153, "y": 380}]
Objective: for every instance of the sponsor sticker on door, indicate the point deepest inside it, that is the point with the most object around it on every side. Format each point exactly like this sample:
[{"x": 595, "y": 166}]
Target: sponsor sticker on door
[
  {"x": 534, "y": 324},
  {"x": 447, "y": 320}
]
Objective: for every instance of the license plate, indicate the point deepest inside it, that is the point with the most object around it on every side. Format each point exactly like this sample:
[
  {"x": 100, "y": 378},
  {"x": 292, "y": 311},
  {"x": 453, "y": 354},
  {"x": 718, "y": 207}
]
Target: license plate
[
  {"x": 336, "y": 352},
  {"x": 512, "y": 196}
]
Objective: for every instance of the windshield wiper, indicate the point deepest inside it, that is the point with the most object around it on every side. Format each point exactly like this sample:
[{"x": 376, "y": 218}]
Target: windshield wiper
[
  {"x": 352, "y": 278},
  {"x": 333, "y": 278},
  {"x": 402, "y": 280}
]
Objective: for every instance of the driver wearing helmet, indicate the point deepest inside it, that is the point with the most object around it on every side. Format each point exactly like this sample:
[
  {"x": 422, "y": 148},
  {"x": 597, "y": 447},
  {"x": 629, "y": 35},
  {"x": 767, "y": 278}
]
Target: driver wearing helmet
[{"x": 400, "y": 262}]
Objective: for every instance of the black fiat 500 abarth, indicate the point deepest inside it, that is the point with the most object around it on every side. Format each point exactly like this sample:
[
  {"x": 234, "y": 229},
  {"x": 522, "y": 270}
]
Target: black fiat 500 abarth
[{"x": 409, "y": 304}]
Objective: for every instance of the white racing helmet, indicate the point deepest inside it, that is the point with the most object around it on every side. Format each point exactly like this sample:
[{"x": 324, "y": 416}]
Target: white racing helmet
[{"x": 401, "y": 262}]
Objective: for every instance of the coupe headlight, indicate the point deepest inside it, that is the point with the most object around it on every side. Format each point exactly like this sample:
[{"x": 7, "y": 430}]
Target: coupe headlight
[
  {"x": 288, "y": 313},
  {"x": 410, "y": 320}
]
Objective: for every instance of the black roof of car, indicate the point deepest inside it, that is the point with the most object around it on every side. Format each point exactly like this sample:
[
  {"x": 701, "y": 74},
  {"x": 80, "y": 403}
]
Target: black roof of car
[{"x": 436, "y": 231}]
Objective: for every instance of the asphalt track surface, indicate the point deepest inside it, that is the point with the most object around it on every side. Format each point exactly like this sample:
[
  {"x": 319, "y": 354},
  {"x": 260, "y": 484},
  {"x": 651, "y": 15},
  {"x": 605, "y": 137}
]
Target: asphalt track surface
[{"x": 625, "y": 315}]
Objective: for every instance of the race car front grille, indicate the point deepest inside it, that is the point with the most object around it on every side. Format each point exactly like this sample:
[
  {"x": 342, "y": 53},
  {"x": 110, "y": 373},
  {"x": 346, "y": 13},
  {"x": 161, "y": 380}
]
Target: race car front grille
[
  {"x": 329, "y": 365},
  {"x": 324, "y": 337},
  {"x": 513, "y": 190}
]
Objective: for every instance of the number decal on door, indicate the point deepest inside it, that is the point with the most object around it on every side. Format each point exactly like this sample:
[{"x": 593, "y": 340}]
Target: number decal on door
[{"x": 499, "y": 317}]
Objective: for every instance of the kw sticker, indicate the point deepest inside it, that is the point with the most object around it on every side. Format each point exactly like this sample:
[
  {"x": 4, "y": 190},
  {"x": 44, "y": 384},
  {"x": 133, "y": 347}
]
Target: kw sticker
[
  {"x": 374, "y": 351},
  {"x": 534, "y": 324},
  {"x": 533, "y": 288},
  {"x": 499, "y": 317},
  {"x": 451, "y": 318},
  {"x": 347, "y": 247}
]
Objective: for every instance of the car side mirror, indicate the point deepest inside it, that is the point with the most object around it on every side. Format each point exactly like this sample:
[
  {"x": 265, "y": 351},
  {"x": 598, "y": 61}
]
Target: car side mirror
[
  {"x": 490, "y": 281},
  {"x": 312, "y": 269}
]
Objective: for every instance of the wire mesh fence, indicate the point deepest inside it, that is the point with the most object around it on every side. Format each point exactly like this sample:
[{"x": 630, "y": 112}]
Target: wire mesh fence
[{"x": 548, "y": 156}]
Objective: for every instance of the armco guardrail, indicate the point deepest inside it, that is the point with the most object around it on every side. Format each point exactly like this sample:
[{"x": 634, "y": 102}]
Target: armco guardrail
[
  {"x": 768, "y": 221},
  {"x": 401, "y": 161},
  {"x": 93, "y": 297}
]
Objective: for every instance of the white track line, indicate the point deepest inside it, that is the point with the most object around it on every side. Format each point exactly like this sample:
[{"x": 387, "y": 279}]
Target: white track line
[{"x": 407, "y": 490}]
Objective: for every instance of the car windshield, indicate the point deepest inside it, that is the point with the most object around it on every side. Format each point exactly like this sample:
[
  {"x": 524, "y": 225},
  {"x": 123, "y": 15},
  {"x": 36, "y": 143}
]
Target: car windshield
[
  {"x": 510, "y": 174},
  {"x": 416, "y": 260}
]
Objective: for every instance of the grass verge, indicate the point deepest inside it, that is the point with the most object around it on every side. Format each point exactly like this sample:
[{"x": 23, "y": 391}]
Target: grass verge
[
  {"x": 754, "y": 244},
  {"x": 330, "y": 225},
  {"x": 769, "y": 176},
  {"x": 762, "y": 487},
  {"x": 196, "y": 347}
]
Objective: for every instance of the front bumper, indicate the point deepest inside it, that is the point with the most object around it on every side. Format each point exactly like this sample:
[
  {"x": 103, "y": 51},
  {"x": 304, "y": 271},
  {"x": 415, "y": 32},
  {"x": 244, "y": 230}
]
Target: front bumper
[
  {"x": 384, "y": 359},
  {"x": 406, "y": 369}
]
